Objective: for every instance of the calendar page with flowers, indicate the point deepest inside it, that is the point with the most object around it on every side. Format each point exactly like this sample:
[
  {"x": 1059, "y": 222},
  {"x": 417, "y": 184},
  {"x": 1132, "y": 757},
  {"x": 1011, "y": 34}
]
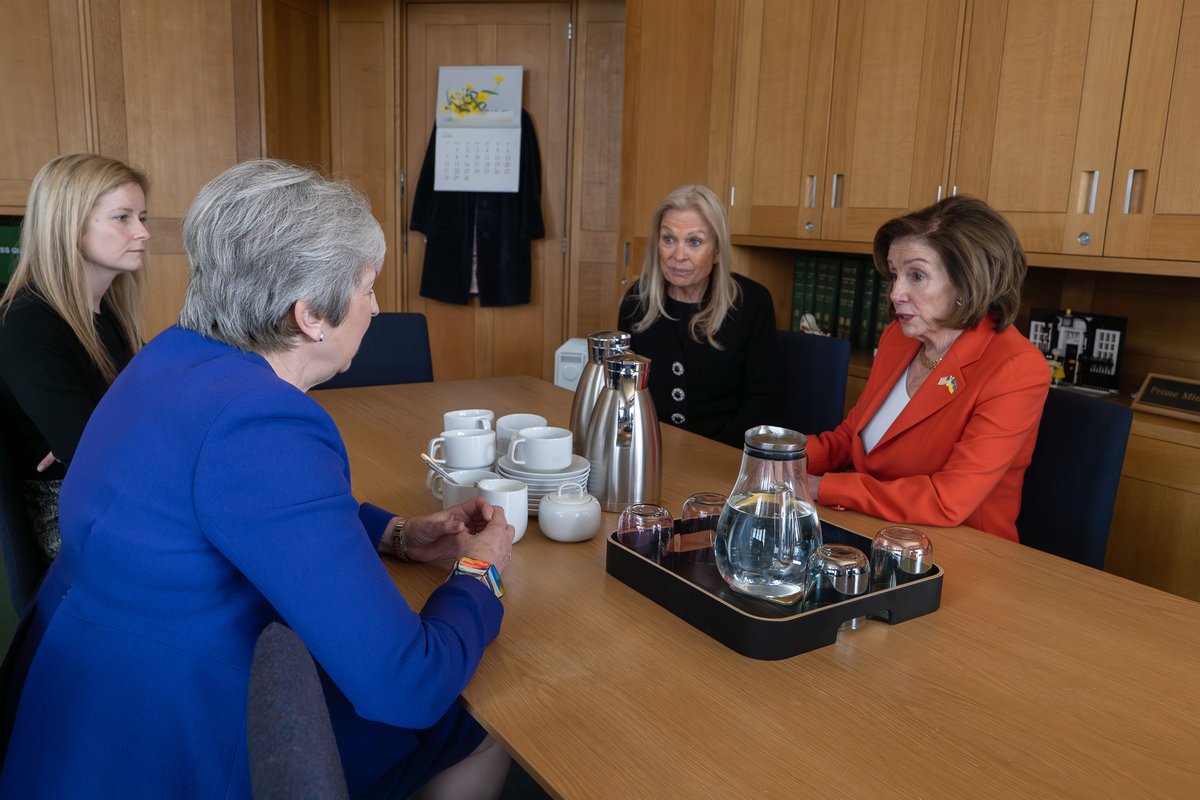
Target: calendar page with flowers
[{"x": 478, "y": 142}]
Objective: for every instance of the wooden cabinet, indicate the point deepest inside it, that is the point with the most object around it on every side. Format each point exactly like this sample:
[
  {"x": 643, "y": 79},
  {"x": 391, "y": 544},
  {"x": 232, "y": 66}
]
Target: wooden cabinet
[
  {"x": 676, "y": 110},
  {"x": 836, "y": 135},
  {"x": 781, "y": 117},
  {"x": 890, "y": 116},
  {"x": 1154, "y": 211},
  {"x": 1040, "y": 111},
  {"x": 1153, "y": 539}
]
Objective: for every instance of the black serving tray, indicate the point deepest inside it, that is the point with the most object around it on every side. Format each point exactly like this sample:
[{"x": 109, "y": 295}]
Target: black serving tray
[{"x": 696, "y": 593}]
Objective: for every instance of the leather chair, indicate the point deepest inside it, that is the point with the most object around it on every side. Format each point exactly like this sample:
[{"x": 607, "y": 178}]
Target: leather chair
[
  {"x": 289, "y": 737},
  {"x": 1071, "y": 485},
  {"x": 23, "y": 564},
  {"x": 395, "y": 349},
  {"x": 812, "y": 381}
]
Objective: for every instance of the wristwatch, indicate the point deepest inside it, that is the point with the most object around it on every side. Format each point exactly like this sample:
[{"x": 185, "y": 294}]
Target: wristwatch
[
  {"x": 397, "y": 536},
  {"x": 482, "y": 570}
]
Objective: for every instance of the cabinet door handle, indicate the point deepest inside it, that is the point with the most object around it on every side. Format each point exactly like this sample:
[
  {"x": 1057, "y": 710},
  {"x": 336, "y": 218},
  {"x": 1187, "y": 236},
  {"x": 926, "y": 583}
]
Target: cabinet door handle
[
  {"x": 938, "y": 197},
  {"x": 811, "y": 194},
  {"x": 1089, "y": 182},
  {"x": 833, "y": 195},
  {"x": 1135, "y": 182}
]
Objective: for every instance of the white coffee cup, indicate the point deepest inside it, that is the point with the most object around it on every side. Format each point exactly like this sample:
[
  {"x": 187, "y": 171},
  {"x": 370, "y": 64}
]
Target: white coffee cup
[
  {"x": 541, "y": 449},
  {"x": 466, "y": 418},
  {"x": 463, "y": 488},
  {"x": 513, "y": 497},
  {"x": 508, "y": 425},
  {"x": 464, "y": 448}
]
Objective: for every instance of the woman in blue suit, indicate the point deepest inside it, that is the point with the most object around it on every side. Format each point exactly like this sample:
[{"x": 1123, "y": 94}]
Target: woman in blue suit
[{"x": 210, "y": 496}]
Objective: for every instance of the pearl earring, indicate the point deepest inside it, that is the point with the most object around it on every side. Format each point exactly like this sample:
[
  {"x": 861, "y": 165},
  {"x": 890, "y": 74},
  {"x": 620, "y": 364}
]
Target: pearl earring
[{"x": 322, "y": 336}]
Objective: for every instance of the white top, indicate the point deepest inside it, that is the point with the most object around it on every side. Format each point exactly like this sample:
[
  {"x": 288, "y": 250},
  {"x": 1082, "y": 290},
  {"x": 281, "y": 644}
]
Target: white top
[{"x": 893, "y": 404}]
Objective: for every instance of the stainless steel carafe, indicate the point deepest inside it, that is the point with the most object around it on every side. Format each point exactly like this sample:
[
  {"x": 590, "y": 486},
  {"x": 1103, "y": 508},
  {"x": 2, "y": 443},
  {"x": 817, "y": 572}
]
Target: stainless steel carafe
[
  {"x": 623, "y": 442},
  {"x": 601, "y": 345}
]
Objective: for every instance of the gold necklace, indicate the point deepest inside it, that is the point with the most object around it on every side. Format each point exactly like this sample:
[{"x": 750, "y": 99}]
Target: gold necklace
[{"x": 927, "y": 362}]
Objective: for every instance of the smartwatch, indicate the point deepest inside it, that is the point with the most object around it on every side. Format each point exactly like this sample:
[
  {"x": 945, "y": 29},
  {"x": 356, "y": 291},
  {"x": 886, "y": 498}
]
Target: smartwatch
[{"x": 481, "y": 570}]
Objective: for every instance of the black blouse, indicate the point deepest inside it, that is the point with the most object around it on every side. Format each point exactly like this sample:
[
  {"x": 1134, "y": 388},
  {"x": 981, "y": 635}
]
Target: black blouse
[
  {"x": 48, "y": 384},
  {"x": 715, "y": 393}
]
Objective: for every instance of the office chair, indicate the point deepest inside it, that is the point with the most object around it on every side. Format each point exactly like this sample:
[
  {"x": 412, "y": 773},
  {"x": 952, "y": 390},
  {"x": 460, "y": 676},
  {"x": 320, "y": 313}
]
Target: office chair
[
  {"x": 289, "y": 737},
  {"x": 395, "y": 349},
  {"x": 1071, "y": 484},
  {"x": 812, "y": 381},
  {"x": 23, "y": 564}
]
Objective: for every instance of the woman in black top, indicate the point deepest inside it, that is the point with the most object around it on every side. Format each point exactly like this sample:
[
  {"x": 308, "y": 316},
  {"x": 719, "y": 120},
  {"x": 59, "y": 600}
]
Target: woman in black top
[
  {"x": 710, "y": 334},
  {"x": 69, "y": 318}
]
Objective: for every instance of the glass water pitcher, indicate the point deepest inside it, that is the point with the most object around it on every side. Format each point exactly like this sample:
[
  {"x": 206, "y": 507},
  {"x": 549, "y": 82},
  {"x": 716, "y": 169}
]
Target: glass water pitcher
[{"x": 769, "y": 529}]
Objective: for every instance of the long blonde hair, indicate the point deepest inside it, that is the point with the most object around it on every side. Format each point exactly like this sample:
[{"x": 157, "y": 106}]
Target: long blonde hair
[
  {"x": 52, "y": 263},
  {"x": 724, "y": 289}
]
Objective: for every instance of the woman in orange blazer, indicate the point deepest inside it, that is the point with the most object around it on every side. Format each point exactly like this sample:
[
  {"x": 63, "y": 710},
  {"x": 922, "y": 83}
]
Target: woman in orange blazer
[{"x": 945, "y": 427}]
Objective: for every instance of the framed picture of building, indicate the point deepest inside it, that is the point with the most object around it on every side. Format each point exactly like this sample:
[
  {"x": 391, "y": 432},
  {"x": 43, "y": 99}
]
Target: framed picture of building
[{"x": 1082, "y": 349}]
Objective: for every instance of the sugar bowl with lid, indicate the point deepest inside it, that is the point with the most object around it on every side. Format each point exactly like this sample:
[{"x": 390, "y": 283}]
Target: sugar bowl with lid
[{"x": 569, "y": 514}]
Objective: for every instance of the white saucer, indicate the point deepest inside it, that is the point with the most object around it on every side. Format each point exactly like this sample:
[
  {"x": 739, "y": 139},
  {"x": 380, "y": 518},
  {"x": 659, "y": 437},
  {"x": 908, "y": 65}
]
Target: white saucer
[{"x": 579, "y": 465}]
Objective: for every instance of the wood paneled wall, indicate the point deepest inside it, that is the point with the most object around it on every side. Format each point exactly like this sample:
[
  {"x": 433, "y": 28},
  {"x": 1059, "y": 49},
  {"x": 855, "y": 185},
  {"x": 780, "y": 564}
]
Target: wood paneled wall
[
  {"x": 296, "y": 81},
  {"x": 365, "y": 49},
  {"x": 46, "y": 93},
  {"x": 170, "y": 88},
  {"x": 595, "y": 153}
]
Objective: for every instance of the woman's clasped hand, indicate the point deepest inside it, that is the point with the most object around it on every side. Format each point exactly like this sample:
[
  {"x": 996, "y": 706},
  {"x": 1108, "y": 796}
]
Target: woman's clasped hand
[{"x": 475, "y": 529}]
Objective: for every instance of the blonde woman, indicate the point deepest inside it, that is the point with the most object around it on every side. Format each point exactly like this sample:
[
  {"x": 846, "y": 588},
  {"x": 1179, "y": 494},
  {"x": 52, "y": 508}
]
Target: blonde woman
[
  {"x": 69, "y": 318},
  {"x": 710, "y": 334}
]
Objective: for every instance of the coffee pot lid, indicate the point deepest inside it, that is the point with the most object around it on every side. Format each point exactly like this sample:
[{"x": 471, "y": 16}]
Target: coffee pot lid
[
  {"x": 627, "y": 365},
  {"x": 606, "y": 343},
  {"x": 770, "y": 441}
]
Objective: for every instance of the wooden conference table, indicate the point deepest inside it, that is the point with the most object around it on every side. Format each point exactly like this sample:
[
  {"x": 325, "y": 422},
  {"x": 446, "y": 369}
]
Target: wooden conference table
[{"x": 1037, "y": 677}]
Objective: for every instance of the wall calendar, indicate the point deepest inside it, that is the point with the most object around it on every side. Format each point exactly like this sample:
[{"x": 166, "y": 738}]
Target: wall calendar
[{"x": 478, "y": 142}]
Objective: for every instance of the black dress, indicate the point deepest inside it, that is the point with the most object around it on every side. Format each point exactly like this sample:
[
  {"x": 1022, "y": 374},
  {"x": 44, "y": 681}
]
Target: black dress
[{"x": 715, "y": 393}]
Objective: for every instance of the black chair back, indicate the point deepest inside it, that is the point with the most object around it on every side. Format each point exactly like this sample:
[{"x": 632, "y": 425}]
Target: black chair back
[
  {"x": 23, "y": 564},
  {"x": 395, "y": 349},
  {"x": 812, "y": 381},
  {"x": 289, "y": 737},
  {"x": 1071, "y": 484}
]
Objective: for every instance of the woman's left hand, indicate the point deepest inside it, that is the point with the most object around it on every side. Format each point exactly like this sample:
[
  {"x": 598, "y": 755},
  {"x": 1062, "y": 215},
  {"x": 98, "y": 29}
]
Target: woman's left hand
[{"x": 439, "y": 536}]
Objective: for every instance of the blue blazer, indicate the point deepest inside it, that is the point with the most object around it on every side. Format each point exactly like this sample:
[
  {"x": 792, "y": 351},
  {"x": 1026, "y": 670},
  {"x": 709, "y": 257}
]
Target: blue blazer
[{"x": 206, "y": 499}]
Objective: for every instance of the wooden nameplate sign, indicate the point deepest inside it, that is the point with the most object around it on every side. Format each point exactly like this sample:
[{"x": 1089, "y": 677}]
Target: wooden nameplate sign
[{"x": 1174, "y": 397}]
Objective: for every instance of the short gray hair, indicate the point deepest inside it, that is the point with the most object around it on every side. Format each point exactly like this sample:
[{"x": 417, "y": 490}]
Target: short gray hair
[{"x": 265, "y": 234}]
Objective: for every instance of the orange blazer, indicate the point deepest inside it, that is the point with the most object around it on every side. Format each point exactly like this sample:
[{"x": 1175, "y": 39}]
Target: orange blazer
[{"x": 958, "y": 451}]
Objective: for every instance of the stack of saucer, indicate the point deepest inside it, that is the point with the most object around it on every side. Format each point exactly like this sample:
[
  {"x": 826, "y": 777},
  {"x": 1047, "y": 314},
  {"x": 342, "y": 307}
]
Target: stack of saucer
[{"x": 543, "y": 483}]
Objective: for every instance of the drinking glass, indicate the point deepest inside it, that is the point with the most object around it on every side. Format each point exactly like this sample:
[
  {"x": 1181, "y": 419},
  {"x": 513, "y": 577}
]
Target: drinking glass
[
  {"x": 698, "y": 528},
  {"x": 645, "y": 528},
  {"x": 899, "y": 554}
]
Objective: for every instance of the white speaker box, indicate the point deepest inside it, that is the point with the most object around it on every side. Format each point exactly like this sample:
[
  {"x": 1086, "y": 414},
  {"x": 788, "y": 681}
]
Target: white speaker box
[{"x": 569, "y": 361}]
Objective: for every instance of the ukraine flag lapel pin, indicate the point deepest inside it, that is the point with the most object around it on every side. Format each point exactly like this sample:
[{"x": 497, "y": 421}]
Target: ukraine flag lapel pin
[{"x": 950, "y": 384}]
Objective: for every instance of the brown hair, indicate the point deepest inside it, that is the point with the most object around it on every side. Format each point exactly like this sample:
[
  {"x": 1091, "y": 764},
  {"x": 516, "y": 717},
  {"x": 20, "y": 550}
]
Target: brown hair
[
  {"x": 978, "y": 248},
  {"x": 51, "y": 264},
  {"x": 652, "y": 286}
]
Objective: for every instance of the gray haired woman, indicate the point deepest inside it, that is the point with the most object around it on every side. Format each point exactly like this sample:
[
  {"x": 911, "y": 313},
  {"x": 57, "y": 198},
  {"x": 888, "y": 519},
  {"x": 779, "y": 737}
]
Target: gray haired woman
[{"x": 212, "y": 496}]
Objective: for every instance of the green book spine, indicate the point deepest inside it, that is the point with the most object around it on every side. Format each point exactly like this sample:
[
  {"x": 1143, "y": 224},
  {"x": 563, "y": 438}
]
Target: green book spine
[
  {"x": 883, "y": 309},
  {"x": 827, "y": 293},
  {"x": 849, "y": 298},
  {"x": 802, "y": 289},
  {"x": 870, "y": 308},
  {"x": 797, "y": 294}
]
